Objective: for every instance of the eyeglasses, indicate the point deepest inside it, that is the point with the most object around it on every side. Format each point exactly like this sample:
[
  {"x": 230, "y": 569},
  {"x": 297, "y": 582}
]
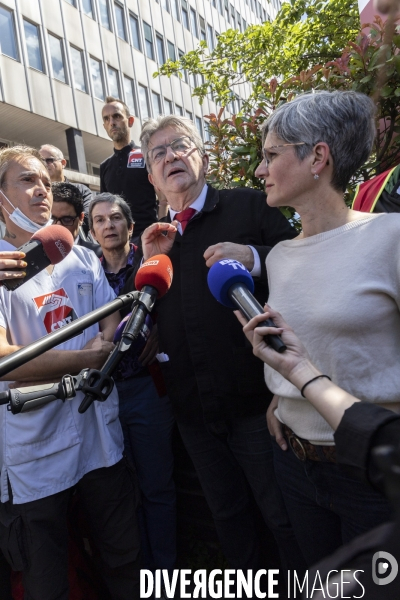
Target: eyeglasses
[
  {"x": 66, "y": 221},
  {"x": 180, "y": 146},
  {"x": 50, "y": 161},
  {"x": 265, "y": 152}
]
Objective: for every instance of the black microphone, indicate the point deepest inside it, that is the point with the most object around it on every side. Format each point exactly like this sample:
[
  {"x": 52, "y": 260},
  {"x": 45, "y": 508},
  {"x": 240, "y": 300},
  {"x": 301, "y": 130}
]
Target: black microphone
[
  {"x": 48, "y": 246},
  {"x": 232, "y": 285}
]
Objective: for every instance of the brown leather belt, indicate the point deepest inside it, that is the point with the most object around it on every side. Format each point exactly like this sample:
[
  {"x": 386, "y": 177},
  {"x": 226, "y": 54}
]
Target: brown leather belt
[{"x": 305, "y": 450}]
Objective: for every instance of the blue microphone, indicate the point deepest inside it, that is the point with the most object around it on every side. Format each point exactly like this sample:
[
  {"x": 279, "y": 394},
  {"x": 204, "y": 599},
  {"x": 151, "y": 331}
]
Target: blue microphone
[{"x": 232, "y": 285}]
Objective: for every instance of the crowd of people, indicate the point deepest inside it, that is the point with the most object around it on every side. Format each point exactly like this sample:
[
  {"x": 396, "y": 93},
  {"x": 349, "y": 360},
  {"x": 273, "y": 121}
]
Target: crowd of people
[{"x": 336, "y": 284}]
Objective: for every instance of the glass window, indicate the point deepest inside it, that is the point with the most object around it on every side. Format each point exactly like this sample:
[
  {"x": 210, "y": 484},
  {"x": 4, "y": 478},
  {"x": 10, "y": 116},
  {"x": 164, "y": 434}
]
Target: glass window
[
  {"x": 211, "y": 43},
  {"x": 178, "y": 110},
  {"x": 226, "y": 11},
  {"x": 168, "y": 106},
  {"x": 130, "y": 96},
  {"x": 97, "y": 78},
  {"x": 244, "y": 25},
  {"x": 238, "y": 20},
  {"x": 206, "y": 131},
  {"x": 78, "y": 69},
  {"x": 8, "y": 40},
  {"x": 71, "y": 2},
  {"x": 160, "y": 49},
  {"x": 165, "y": 5},
  {"x": 120, "y": 20},
  {"x": 144, "y": 102},
  {"x": 57, "y": 58},
  {"x": 88, "y": 8},
  {"x": 189, "y": 115},
  {"x": 183, "y": 71},
  {"x": 113, "y": 82},
  {"x": 192, "y": 80},
  {"x": 104, "y": 14},
  {"x": 156, "y": 100},
  {"x": 148, "y": 36},
  {"x": 175, "y": 9},
  {"x": 33, "y": 45},
  {"x": 199, "y": 125},
  {"x": 193, "y": 21},
  {"x": 214, "y": 3},
  {"x": 171, "y": 51},
  {"x": 202, "y": 28},
  {"x": 185, "y": 15},
  {"x": 134, "y": 21}
]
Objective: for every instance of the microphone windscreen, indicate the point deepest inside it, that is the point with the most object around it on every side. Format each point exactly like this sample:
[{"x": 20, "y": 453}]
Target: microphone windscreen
[
  {"x": 157, "y": 272},
  {"x": 223, "y": 274},
  {"x": 57, "y": 242}
]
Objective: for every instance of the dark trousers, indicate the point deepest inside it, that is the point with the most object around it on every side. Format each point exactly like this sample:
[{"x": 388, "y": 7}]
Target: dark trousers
[
  {"x": 327, "y": 507},
  {"x": 108, "y": 499},
  {"x": 234, "y": 459}
]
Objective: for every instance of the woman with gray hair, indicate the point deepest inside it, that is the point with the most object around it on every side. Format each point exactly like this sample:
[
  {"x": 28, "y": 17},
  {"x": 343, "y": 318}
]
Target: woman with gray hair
[{"x": 338, "y": 285}]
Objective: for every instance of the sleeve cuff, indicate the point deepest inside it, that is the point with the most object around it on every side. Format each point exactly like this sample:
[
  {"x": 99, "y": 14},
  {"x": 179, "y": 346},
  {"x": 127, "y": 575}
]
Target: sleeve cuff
[{"x": 256, "y": 270}]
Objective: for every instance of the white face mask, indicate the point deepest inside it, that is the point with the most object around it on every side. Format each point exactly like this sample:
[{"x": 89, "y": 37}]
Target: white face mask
[{"x": 21, "y": 220}]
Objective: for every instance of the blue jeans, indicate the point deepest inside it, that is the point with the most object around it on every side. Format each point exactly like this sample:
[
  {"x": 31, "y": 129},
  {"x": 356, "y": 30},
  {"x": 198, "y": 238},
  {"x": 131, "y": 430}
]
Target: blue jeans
[
  {"x": 233, "y": 460},
  {"x": 147, "y": 424},
  {"x": 327, "y": 508}
]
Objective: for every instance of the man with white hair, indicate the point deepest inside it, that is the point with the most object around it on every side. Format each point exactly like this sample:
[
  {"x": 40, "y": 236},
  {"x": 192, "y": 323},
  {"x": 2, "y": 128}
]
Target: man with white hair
[{"x": 214, "y": 381}]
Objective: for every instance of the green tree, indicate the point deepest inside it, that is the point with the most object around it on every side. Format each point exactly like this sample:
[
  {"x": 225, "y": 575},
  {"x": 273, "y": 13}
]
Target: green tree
[{"x": 303, "y": 33}]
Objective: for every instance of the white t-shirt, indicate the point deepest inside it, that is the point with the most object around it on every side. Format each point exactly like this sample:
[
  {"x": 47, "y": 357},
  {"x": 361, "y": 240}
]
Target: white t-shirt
[
  {"x": 340, "y": 292},
  {"x": 48, "y": 450}
]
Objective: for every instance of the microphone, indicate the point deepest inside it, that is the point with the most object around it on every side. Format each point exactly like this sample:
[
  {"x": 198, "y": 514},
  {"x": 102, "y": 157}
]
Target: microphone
[
  {"x": 232, "y": 285},
  {"x": 153, "y": 280},
  {"x": 48, "y": 246}
]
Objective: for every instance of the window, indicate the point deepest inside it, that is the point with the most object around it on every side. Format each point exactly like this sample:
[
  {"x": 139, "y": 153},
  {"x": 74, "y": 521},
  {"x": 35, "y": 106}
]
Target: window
[
  {"x": 193, "y": 21},
  {"x": 244, "y": 25},
  {"x": 199, "y": 125},
  {"x": 171, "y": 51},
  {"x": 156, "y": 100},
  {"x": 113, "y": 82},
  {"x": 134, "y": 21},
  {"x": 178, "y": 110},
  {"x": 226, "y": 11},
  {"x": 165, "y": 5},
  {"x": 148, "y": 37},
  {"x": 97, "y": 78},
  {"x": 232, "y": 16},
  {"x": 120, "y": 20},
  {"x": 168, "y": 106},
  {"x": 192, "y": 80},
  {"x": 78, "y": 69},
  {"x": 160, "y": 49},
  {"x": 33, "y": 46},
  {"x": 175, "y": 9},
  {"x": 8, "y": 41},
  {"x": 202, "y": 28},
  {"x": 214, "y": 3},
  {"x": 211, "y": 41},
  {"x": 183, "y": 71},
  {"x": 130, "y": 97},
  {"x": 104, "y": 14},
  {"x": 207, "y": 136},
  {"x": 189, "y": 115},
  {"x": 72, "y": 2},
  {"x": 238, "y": 21},
  {"x": 144, "y": 102},
  {"x": 185, "y": 15},
  {"x": 57, "y": 58},
  {"x": 88, "y": 8}
]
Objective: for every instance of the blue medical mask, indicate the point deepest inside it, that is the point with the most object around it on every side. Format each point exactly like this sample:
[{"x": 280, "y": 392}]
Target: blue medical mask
[{"x": 21, "y": 220}]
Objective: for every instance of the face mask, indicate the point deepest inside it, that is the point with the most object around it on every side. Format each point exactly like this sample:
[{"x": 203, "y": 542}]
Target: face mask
[{"x": 21, "y": 220}]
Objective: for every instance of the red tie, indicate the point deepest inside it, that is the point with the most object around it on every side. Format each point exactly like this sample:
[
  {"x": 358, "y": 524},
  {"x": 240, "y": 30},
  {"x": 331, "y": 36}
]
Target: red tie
[{"x": 184, "y": 217}]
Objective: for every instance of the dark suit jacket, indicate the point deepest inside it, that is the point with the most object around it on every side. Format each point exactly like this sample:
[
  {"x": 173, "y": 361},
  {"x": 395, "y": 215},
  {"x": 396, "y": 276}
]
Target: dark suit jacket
[{"x": 212, "y": 372}]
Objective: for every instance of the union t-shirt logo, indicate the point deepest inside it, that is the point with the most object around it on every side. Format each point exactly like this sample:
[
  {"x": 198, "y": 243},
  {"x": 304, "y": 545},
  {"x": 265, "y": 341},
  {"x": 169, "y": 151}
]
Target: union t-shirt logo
[
  {"x": 55, "y": 309},
  {"x": 136, "y": 159}
]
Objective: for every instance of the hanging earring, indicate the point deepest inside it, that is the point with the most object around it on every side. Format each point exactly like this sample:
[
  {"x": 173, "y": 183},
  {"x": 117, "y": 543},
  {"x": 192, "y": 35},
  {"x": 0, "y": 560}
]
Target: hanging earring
[{"x": 316, "y": 176}]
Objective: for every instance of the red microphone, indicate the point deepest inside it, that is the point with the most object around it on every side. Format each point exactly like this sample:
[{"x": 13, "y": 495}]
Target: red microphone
[
  {"x": 48, "y": 246},
  {"x": 155, "y": 272}
]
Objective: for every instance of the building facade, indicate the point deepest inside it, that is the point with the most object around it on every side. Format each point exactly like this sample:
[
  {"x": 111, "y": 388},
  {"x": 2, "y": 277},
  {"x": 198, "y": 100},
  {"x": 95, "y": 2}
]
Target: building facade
[{"x": 59, "y": 59}]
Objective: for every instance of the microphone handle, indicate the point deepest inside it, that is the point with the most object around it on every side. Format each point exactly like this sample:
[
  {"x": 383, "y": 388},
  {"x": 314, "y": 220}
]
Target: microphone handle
[
  {"x": 36, "y": 259},
  {"x": 24, "y": 399},
  {"x": 250, "y": 307}
]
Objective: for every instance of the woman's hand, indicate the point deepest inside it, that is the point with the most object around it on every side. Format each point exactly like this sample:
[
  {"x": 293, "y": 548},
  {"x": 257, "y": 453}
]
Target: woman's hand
[
  {"x": 290, "y": 362},
  {"x": 274, "y": 425},
  {"x": 9, "y": 261},
  {"x": 158, "y": 239}
]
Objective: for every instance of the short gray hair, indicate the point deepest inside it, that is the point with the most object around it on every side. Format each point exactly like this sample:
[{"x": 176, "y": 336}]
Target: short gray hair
[
  {"x": 151, "y": 126},
  {"x": 343, "y": 120},
  {"x": 111, "y": 199},
  {"x": 54, "y": 150}
]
